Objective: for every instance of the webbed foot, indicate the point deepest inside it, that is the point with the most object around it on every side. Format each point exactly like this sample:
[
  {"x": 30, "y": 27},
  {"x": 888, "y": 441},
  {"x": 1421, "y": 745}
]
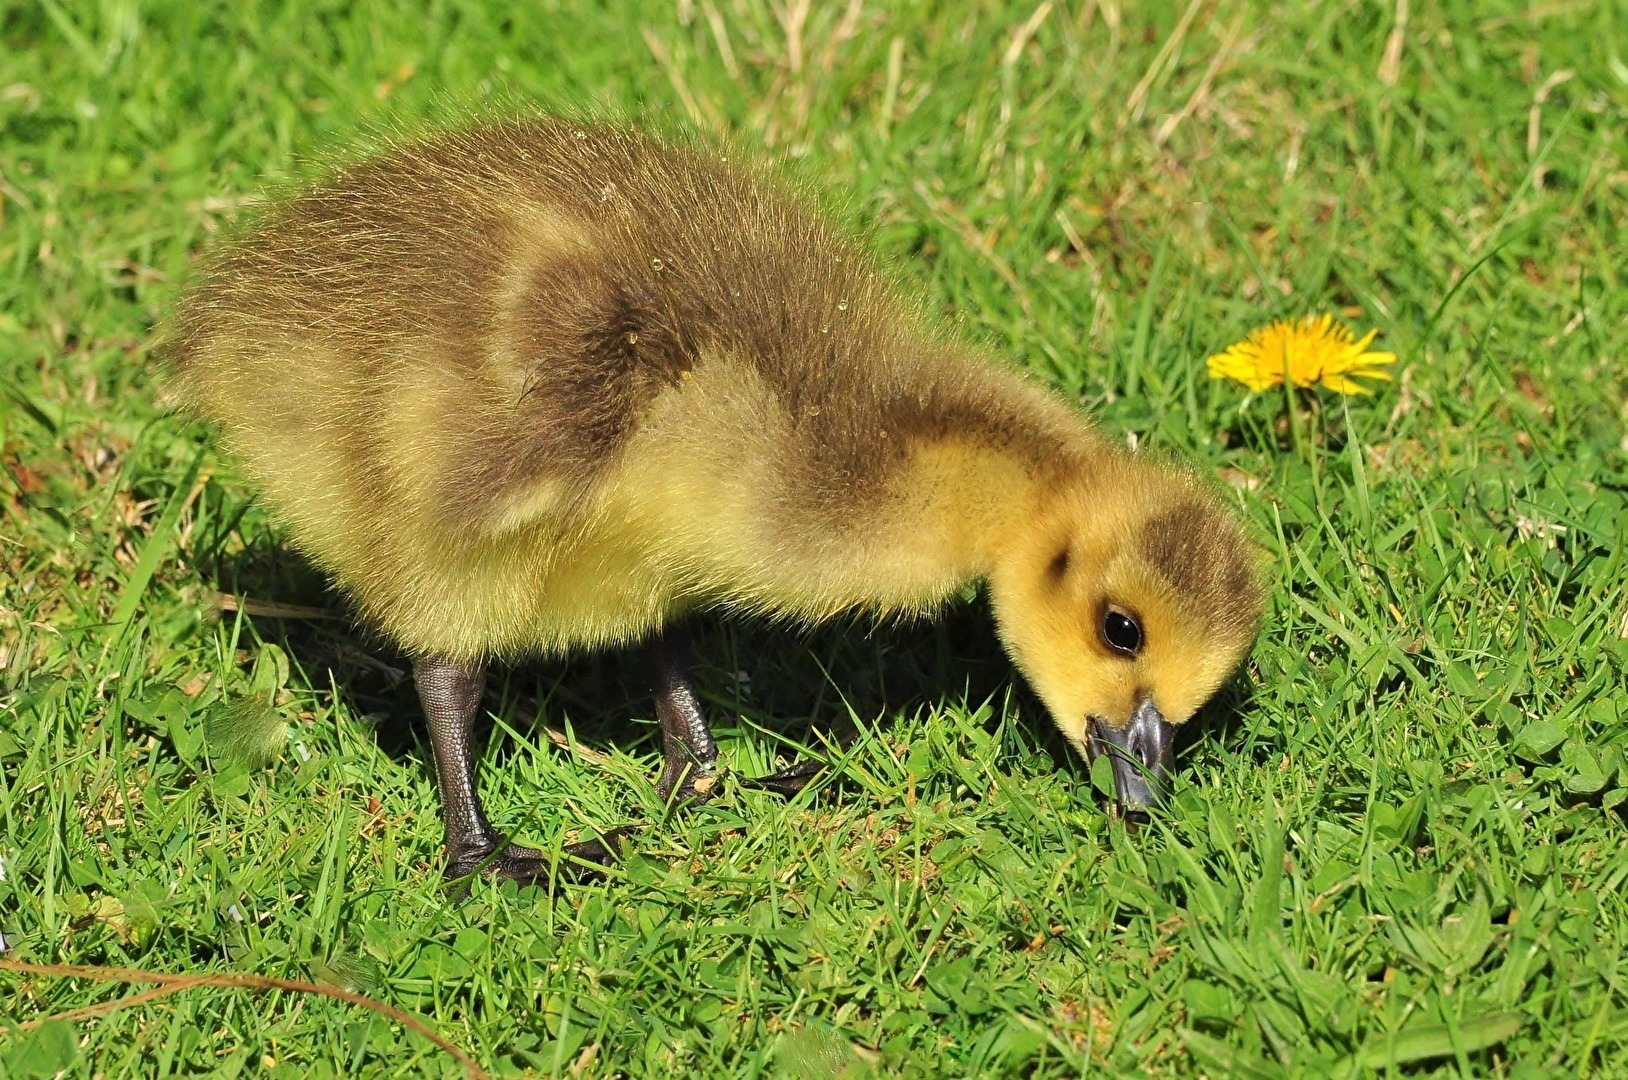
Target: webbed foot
[
  {"x": 586, "y": 860},
  {"x": 788, "y": 781},
  {"x": 796, "y": 776},
  {"x": 511, "y": 862}
]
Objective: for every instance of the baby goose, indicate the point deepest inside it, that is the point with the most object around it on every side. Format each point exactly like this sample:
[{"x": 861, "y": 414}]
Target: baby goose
[{"x": 539, "y": 386}]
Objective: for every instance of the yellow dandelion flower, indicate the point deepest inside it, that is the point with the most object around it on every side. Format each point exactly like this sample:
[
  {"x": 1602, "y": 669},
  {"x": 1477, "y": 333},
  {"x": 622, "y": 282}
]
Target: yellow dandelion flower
[{"x": 1314, "y": 350}]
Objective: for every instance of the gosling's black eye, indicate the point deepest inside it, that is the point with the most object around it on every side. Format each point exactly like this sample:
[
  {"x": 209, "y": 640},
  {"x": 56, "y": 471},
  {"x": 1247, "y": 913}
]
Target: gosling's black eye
[{"x": 1122, "y": 632}]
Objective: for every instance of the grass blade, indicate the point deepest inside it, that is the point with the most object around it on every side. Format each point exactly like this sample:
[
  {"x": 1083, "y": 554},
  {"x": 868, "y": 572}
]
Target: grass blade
[{"x": 1421, "y": 1042}]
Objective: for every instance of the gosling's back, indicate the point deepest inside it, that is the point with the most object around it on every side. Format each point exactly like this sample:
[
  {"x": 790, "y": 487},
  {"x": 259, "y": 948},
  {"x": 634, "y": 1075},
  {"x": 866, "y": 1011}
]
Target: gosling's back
[{"x": 438, "y": 365}]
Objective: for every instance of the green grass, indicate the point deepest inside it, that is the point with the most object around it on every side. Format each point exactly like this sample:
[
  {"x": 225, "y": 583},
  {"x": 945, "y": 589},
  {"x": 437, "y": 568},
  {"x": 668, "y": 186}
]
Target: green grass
[{"x": 1399, "y": 841}]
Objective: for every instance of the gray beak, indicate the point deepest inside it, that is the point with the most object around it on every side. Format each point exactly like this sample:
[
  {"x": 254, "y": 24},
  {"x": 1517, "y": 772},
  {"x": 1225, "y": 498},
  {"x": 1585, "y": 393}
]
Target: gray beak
[{"x": 1141, "y": 753}]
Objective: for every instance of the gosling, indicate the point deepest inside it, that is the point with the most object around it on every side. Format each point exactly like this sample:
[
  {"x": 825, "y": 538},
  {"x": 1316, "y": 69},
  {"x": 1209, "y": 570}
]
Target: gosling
[{"x": 540, "y": 386}]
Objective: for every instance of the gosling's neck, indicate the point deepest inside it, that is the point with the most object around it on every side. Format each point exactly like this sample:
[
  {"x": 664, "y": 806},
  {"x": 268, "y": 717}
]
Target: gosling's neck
[
  {"x": 957, "y": 500},
  {"x": 957, "y": 507}
]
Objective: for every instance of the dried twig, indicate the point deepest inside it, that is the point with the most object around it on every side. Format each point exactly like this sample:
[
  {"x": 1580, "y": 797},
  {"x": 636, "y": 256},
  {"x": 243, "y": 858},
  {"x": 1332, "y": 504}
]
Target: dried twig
[
  {"x": 1390, "y": 65},
  {"x": 984, "y": 245},
  {"x": 664, "y": 57},
  {"x": 171, "y": 983},
  {"x": 103, "y": 1008},
  {"x": 720, "y": 34},
  {"x": 1219, "y": 61},
  {"x": 1021, "y": 36},
  {"x": 1139, "y": 93},
  {"x": 1534, "y": 118},
  {"x": 564, "y": 742},
  {"x": 793, "y": 18},
  {"x": 845, "y": 29},
  {"x": 270, "y": 609}
]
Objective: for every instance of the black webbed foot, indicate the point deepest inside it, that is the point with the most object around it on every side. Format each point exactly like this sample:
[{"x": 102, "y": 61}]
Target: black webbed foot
[
  {"x": 586, "y": 860},
  {"x": 788, "y": 781},
  {"x": 796, "y": 776},
  {"x": 590, "y": 858},
  {"x": 510, "y": 862}
]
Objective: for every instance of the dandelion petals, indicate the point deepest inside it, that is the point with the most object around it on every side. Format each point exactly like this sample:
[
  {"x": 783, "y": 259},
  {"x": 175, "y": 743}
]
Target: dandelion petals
[{"x": 1314, "y": 350}]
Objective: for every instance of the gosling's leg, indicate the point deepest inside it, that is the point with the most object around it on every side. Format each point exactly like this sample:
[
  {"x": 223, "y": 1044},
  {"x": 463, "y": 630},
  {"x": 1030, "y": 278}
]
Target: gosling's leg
[
  {"x": 450, "y": 691},
  {"x": 689, "y": 770}
]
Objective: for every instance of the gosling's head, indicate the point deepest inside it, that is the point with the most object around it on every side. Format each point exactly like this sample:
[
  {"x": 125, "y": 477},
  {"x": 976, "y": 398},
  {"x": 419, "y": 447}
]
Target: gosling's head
[{"x": 1126, "y": 603}]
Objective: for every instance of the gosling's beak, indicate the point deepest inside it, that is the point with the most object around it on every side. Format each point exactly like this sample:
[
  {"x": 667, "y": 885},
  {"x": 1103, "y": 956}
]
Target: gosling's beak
[{"x": 1141, "y": 754}]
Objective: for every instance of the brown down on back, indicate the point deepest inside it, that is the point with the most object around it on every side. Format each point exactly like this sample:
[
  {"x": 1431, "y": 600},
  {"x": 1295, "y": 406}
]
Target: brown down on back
[{"x": 640, "y": 261}]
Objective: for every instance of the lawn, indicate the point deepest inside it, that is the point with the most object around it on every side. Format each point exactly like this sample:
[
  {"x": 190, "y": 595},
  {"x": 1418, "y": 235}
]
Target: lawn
[{"x": 1398, "y": 839}]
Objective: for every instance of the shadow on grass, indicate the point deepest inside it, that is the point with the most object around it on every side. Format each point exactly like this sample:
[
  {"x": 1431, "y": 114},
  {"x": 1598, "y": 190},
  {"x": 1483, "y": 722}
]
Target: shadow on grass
[
  {"x": 1220, "y": 720},
  {"x": 750, "y": 672},
  {"x": 796, "y": 684}
]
